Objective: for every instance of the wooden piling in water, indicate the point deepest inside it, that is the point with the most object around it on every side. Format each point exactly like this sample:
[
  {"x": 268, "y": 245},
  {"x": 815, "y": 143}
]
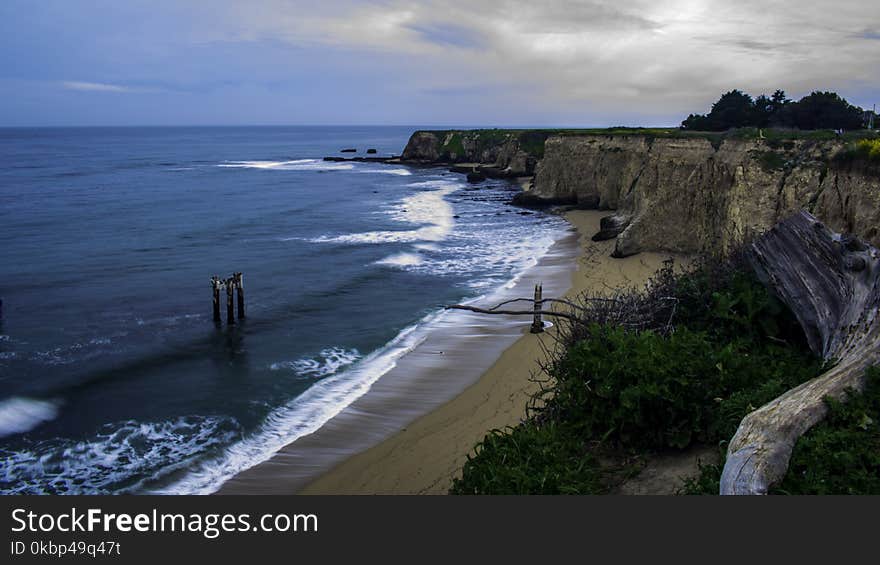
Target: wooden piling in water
[
  {"x": 215, "y": 287},
  {"x": 230, "y": 312},
  {"x": 537, "y": 322},
  {"x": 233, "y": 285},
  {"x": 239, "y": 286}
]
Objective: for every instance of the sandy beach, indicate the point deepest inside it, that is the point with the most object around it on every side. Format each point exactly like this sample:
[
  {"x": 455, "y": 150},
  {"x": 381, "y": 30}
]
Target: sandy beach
[{"x": 425, "y": 456}]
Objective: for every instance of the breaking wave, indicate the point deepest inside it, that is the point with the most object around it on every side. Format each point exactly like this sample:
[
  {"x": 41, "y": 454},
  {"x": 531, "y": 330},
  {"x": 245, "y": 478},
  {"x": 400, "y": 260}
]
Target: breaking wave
[
  {"x": 112, "y": 461},
  {"x": 429, "y": 209},
  {"x": 19, "y": 415},
  {"x": 294, "y": 165},
  {"x": 301, "y": 416},
  {"x": 328, "y": 362}
]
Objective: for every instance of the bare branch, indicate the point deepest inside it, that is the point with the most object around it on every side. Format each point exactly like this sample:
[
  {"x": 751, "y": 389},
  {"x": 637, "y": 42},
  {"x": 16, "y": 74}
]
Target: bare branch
[
  {"x": 832, "y": 284},
  {"x": 513, "y": 312}
]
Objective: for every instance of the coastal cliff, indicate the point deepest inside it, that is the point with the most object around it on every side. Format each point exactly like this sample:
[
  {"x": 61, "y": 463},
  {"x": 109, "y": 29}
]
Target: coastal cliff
[
  {"x": 693, "y": 194},
  {"x": 680, "y": 193},
  {"x": 509, "y": 152}
]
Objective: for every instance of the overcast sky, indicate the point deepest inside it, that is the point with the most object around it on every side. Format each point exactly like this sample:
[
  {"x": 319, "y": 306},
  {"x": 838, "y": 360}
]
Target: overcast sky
[{"x": 451, "y": 62}]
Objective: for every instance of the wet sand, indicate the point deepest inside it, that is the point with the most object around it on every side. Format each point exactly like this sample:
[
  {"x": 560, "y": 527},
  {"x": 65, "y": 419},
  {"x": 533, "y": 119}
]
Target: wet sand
[
  {"x": 424, "y": 457},
  {"x": 411, "y": 433}
]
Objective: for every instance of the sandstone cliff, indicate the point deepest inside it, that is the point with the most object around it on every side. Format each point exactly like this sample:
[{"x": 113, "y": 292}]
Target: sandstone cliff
[
  {"x": 512, "y": 152},
  {"x": 682, "y": 194},
  {"x": 693, "y": 194}
]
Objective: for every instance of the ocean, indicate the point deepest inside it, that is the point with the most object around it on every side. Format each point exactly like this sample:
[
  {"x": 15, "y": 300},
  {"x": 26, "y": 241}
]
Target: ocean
[{"x": 114, "y": 378}]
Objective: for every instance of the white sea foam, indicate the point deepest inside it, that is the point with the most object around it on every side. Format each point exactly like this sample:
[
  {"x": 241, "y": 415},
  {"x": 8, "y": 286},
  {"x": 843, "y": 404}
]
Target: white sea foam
[
  {"x": 427, "y": 246},
  {"x": 19, "y": 415},
  {"x": 294, "y": 165},
  {"x": 398, "y": 172},
  {"x": 402, "y": 260},
  {"x": 435, "y": 183},
  {"x": 302, "y": 415},
  {"x": 512, "y": 254},
  {"x": 429, "y": 209},
  {"x": 328, "y": 362},
  {"x": 109, "y": 462},
  {"x": 380, "y": 237}
]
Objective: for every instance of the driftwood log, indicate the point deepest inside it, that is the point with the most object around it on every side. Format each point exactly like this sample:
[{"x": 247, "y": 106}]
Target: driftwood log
[{"x": 832, "y": 285}]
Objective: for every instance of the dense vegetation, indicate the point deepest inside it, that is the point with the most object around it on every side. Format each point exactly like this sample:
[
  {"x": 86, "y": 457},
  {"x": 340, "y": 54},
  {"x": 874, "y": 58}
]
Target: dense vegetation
[
  {"x": 865, "y": 150},
  {"x": 643, "y": 373},
  {"x": 816, "y": 111},
  {"x": 840, "y": 455}
]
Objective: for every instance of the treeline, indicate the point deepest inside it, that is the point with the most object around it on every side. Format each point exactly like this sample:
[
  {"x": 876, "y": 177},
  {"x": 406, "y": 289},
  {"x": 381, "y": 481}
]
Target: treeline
[{"x": 819, "y": 110}]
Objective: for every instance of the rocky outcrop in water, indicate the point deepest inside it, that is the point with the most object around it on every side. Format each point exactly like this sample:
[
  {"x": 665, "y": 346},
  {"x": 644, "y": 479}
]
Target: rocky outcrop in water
[{"x": 690, "y": 194}]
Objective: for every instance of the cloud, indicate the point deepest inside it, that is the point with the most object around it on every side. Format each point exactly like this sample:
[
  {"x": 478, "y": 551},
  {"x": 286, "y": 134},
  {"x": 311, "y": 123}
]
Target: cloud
[
  {"x": 449, "y": 34},
  {"x": 571, "y": 62},
  {"x": 93, "y": 86},
  {"x": 660, "y": 58}
]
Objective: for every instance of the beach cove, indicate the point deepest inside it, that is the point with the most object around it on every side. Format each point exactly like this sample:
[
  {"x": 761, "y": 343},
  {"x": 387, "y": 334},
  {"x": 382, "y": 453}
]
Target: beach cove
[{"x": 421, "y": 454}]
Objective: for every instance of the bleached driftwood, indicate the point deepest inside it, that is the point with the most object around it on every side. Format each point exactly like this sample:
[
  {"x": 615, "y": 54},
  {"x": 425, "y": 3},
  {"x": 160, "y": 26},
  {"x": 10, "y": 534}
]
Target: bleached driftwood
[{"x": 832, "y": 284}]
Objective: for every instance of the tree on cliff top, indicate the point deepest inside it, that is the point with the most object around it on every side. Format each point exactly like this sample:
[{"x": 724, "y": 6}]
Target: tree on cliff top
[
  {"x": 818, "y": 110},
  {"x": 734, "y": 109},
  {"x": 825, "y": 110}
]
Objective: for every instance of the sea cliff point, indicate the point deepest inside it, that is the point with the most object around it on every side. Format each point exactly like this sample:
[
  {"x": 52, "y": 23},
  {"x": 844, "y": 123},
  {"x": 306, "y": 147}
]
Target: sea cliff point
[
  {"x": 797, "y": 210},
  {"x": 669, "y": 190}
]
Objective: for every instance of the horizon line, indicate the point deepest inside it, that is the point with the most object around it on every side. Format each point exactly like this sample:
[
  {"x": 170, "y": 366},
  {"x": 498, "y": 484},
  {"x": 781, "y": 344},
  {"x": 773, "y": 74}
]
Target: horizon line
[{"x": 424, "y": 126}]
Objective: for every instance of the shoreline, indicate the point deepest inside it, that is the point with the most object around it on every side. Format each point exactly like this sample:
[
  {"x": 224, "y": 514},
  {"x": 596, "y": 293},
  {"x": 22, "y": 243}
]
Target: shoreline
[
  {"x": 446, "y": 352},
  {"x": 417, "y": 451},
  {"x": 425, "y": 457}
]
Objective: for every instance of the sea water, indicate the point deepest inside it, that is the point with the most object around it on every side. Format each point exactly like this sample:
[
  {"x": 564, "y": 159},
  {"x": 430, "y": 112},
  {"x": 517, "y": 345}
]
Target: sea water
[{"x": 114, "y": 377}]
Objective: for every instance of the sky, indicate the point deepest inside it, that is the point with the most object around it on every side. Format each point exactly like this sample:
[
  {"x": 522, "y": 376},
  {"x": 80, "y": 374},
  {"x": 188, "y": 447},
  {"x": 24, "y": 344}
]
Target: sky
[{"x": 450, "y": 62}]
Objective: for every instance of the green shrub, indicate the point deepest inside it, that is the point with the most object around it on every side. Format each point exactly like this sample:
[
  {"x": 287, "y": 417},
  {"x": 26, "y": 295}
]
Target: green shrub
[
  {"x": 726, "y": 300},
  {"x": 840, "y": 455},
  {"x": 860, "y": 151},
  {"x": 724, "y": 348},
  {"x": 707, "y": 482},
  {"x": 770, "y": 161},
  {"x": 868, "y": 149},
  {"x": 531, "y": 458},
  {"x": 454, "y": 147},
  {"x": 649, "y": 391}
]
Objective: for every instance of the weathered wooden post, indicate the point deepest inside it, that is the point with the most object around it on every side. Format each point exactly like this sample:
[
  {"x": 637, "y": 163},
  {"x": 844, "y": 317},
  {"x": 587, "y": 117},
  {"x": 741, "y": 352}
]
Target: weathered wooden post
[
  {"x": 230, "y": 313},
  {"x": 239, "y": 286},
  {"x": 215, "y": 287},
  {"x": 537, "y": 323}
]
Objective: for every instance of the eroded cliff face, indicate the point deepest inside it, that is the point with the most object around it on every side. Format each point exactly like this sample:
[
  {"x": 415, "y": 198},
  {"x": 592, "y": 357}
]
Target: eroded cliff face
[
  {"x": 688, "y": 195},
  {"x": 512, "y": 152}
]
